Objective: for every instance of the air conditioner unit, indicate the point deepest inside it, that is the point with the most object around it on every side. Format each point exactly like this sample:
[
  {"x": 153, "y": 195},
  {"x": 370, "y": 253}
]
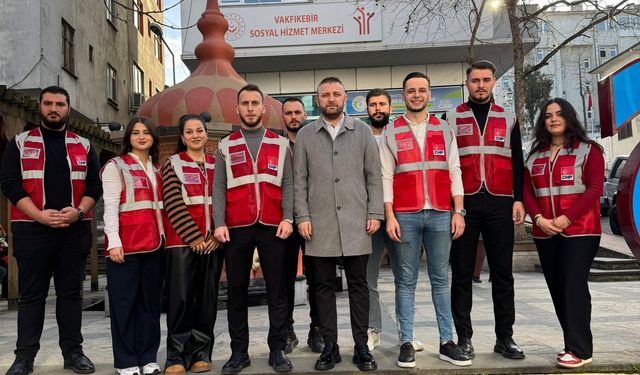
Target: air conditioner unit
[{"x": 137, "y": 100}]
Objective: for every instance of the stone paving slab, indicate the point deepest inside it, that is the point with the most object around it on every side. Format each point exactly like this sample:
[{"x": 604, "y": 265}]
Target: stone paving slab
[{"x": 615, "y": 325}]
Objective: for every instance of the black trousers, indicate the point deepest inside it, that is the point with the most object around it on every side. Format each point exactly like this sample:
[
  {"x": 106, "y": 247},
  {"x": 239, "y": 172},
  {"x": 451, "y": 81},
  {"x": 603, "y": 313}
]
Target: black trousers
[
  {"x": 566, "y": 262},
  {"x": 294, "y": 243},
  {"x": 324, "y": 270},
  {"x": 135, "y": 303},
  {"x": 490, "y": 216},
  {"x": 192, "y": 286},
  {"x": 42, "y": 252},
  {"x": 238, "y": 259}
]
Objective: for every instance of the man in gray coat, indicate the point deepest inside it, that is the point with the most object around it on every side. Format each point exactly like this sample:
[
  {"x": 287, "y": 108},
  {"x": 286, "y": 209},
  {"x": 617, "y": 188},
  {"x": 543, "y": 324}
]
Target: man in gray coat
[{"x": 338, "y": 206}]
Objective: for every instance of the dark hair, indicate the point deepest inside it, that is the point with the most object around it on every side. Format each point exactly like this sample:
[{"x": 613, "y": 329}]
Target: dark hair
[
  {"x": 415, "y": 75},
  {"x": 378, "y": 92},
  {"x": 573, "y": 131},
  {"x": 330, "y": 80},
  {"x": 291, "y": 99},
  {"x": 153, "y": 130},
  {"x": 481, "y": 65},
  {"x": 55, "y": 90},
  {"x": 181, "y": 124},
  {"x": 250, "y": 87}
]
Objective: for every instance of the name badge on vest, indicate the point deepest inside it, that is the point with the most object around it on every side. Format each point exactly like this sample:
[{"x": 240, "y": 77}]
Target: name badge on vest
[
  {"x": 438, "y": 150},
  {"x": 405, "y": 144},
  {"x": 30, "y": 153},
  {"x": 464, "y": 129},
  {"x": 566, "y": 173},
  {"x": 499, "y": 135},
  {"x": 238, "y": 158},
  {"x": 192, "y": 178},
  {"x": 272, "y": 163},
  {"x": 81, "y": 161},
  {"x": 538, "y": 169},
  {"x": 140, "y": 182}
]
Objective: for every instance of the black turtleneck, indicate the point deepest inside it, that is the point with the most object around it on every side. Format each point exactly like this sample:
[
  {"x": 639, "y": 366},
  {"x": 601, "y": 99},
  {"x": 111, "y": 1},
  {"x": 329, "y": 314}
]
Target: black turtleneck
[
  {"x": 480, "y": 112},
  {"x": 57, "y": 180}
]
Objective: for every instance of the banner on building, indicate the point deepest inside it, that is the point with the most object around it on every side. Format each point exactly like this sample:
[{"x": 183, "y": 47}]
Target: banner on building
[{"x": 442, "y": 99}]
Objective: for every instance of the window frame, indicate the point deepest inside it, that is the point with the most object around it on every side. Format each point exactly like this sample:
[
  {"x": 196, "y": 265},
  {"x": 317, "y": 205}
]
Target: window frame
[{"x": 68, "y": 48}]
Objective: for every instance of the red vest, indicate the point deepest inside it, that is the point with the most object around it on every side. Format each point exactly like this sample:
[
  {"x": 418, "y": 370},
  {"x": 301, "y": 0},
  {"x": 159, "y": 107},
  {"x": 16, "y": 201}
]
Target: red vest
[
  {"x": 254, "y": 192},
  {"x": 32, "y": 159},
  {"x": 419, "y": 171},
  {"x": 484, "y": 157},
  {"x": 196, "y": 193},
  {"x": 559, "y": 188},
  {"x": 141, "y": 214}
]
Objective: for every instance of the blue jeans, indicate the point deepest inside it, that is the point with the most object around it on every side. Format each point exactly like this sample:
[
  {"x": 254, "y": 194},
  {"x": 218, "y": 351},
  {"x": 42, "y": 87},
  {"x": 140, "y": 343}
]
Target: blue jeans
[{"x": 431, "y": 229}]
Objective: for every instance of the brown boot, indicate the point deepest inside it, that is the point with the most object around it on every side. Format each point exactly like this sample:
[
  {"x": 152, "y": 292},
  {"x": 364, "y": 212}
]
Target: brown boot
[
  {"x": 175, "y": 370},
  {"x": 201, "y": 366}
]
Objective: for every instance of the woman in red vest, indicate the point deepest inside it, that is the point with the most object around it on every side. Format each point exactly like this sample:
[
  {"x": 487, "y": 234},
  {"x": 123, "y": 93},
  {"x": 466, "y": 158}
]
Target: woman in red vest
[
  {"x": 563, "y": 184},
  {"x": 193, "y": 263},
  {"x": 134, "y": 247}
]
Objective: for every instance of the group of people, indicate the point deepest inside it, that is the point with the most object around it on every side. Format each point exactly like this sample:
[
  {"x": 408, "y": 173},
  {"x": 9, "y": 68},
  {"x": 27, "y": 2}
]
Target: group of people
[{"x": 337, "y": 189}]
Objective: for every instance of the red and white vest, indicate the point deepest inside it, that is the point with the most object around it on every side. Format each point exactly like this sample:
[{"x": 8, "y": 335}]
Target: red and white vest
[
  {"x": 254, "y": 188},
  {"x": 419, "y": 172},
  {"x": 32, "y": 161},
  {"x": 140, "y": 215},
  {"x": 558, "y": 188},
  {"x": 484, "y": 157},
  {"x": 196, "y": 193}
]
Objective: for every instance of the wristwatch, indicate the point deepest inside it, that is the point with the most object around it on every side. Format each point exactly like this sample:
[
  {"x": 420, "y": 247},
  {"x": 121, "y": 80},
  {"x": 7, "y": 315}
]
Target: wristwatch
[
  {"x": 461, "y": 211},
  {"x": 81, "y": 213},
  {"x": 290, "y": 221}
]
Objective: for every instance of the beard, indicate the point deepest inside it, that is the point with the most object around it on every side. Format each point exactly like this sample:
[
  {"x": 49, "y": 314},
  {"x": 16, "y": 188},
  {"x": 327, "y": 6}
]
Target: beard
[
  {"x": 332, "y": 113},
  {"x": 55, "y": 125},
  {"x": 480, "y": 99},
  {"x": 252, "y": 124},
  {"x": 381, "y": 123},
  {"x": 294, "y": 129}
]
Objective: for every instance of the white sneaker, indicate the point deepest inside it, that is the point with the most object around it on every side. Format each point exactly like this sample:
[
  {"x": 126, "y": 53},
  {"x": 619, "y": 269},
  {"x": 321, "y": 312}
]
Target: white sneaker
[
  {"x": 373, "y": 338},
  {"x": 417, "y": 345},
  {"x": 128, "y": 371},
  {"x": 151, "y": 369}
]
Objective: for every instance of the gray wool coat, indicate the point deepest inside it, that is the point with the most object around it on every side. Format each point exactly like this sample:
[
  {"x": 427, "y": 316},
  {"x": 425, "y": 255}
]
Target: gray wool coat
[{"x": 338, "y": 187}]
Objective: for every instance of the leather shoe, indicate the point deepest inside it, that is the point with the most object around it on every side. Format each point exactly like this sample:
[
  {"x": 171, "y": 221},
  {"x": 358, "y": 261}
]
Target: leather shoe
[
  {"x": 329, "y": 357},
  {"x": 465, "y": 346},
  {"x": 363, "y": 358},
  {"x": 200, "y": 366},
  {"x": 508, "y": 348},
  {"x": 79, "y": 363},
  {"x": 279, "y": 361},
  {"x": 314, "y": 340},
  {"x": 236, "y": 363},
  {"x": 20, "y": 366},
  {"x": 291, "y": 340},
  {"x": 177, "y": 369}
]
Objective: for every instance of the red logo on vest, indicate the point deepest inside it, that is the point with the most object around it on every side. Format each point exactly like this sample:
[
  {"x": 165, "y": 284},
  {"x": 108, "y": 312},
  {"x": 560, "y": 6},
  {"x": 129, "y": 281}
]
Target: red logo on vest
[
  {"x": 405, "y": 144},
  {"x": 30, "y": 153},
  {"x": 499, "y": 135},
  {"x": 192, "y": 178},
  {"x": 464, "y": 129},
  {"x": 238, "y": 158},
  {"x": 438, "y": 150},
  {"x": 566, "y": 173},
  {"x": 538, "y": 169},
  {"x": 140, "y": 182}
]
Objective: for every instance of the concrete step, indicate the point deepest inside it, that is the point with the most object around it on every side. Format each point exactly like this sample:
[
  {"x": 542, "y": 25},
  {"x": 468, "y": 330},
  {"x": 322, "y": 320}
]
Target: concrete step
[
  {"x": 600, "y": 275},
  {"x": 610, "y": 253},
  {"x": 606, "y": 263}
]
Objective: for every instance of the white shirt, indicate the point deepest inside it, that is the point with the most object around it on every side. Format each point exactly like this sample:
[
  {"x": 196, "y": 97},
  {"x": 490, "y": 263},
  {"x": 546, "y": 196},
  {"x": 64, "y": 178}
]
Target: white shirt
[
  {"x": 112, "y": 188},
  {"x": 333, "y": 130},
  {"x": 388, "y": 162}
]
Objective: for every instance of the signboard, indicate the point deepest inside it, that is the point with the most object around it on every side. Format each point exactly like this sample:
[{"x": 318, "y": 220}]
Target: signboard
[
  {"x": 309, "y": 24},
  {"x": 442, "y": 99},
  {"x": 254, "y": 2}
]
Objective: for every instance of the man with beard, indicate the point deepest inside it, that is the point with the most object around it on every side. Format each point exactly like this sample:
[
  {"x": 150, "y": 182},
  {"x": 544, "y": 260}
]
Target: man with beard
[
  {"x": 294, "y": 118},
  {"x": 253, "y": 200},
  {"x": 421, "y": 177},
  {"x": 51, "y": 176},
  {"x": 492, "y": 175},
  {"x": 338, "y": 206}
]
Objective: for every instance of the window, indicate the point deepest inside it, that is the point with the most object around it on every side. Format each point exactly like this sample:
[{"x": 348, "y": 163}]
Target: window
[
  {"x": 613, "y": 51},
  {"x": 587, "y": 87},
  {"x": 539, "y": 54},
  {"x": 90, "y": 53},
  {"x": 602, "y": 51},
  {"x": 150, "y": 88},
  {"x": 544, "y": 26},
  {"x": 157, "y": 48},
  {"x": 138, "y": 80},
  {"x": 111, "y": 11},
  {"x": 629, "y": 22},
  {"x": 562, "y": 70},
  {"x": 625, "y": 132},
  {"x": 112, "y": 85},
  {"x": 603, "y": 26},
  {"x": 607, "y": 51},
  {"x": 589, "y": 114},
  {"x": 586, "y": 63},
  {"x": 68, "y": 51},
  {"x": 138, "y": 17}
]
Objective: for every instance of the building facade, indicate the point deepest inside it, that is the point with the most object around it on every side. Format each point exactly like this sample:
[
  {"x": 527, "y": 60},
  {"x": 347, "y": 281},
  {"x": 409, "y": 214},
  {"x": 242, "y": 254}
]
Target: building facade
[{"x": 103, "y": 53}]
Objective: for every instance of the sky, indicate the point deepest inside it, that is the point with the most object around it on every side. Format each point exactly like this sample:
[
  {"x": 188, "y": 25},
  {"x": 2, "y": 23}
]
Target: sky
[{"x": 173, "y": 39}]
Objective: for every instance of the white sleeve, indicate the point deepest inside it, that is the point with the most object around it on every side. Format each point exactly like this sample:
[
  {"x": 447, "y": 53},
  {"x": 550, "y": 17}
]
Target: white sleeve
[
  {"x": 111, "y": 186},
  {"x": 455, "y": 173},
  {"x": 388, "y": 164}
]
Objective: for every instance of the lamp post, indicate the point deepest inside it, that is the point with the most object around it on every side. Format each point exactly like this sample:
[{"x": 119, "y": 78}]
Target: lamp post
[{"x": 157, "y": 29}]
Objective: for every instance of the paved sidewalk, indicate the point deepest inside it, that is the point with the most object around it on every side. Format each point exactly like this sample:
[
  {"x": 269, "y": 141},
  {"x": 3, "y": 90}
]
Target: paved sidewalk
[{"x": 616, "y": 331}]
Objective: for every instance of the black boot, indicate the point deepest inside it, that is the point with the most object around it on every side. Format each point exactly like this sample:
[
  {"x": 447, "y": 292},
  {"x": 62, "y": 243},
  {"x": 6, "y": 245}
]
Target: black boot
[
  {"x": 20, "y": 366},
  {"x": 315, "y": 340},
  {"x": 329, "y": 357},
  {"x": 363, "y": 358}
]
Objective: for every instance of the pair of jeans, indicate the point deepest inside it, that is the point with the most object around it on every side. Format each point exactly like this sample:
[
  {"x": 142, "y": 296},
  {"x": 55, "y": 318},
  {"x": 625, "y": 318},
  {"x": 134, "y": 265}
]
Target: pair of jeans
[
  {"x": 379, "y": 240},
  {"x": 431, "y": 229}
]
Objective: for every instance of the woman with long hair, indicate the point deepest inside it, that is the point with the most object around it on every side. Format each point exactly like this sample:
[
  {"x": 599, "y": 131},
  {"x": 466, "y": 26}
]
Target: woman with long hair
[
  {"x": 194, "y": 263},
  {"x": 563, "y": 183},
  {"x": 134, "y": 247}
]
